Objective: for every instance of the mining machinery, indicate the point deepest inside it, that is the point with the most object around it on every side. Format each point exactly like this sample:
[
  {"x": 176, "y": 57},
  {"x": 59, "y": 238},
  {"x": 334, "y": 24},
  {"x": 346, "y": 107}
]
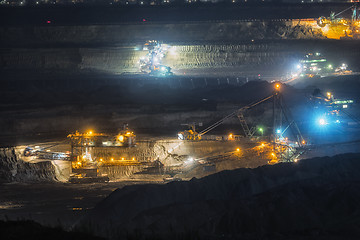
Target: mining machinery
[
  {"x": 314, "y": 63},
  {"x": 331, "y": 111},
  {"x": 91, "y": 150},
  {"x": 189, "y": 134},
  {"x": 151, "y": 63},
  {"x": 160, "y": 70},
  {"x": 43, "y": 153},
  {"x": 284, "y": 149},
  {"x": 339, "y": 27}
]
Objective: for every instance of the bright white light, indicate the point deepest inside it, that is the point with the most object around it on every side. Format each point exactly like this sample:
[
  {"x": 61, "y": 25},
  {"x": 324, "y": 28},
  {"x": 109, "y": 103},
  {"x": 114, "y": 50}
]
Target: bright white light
[
  {"x": 298, "y": 66},
  {"x": 180, "y": 136},
  {"x": 322, "y": 121},
  {"x": 345, "y": 106},
  {"x": 278, "y": 131},
  {"x": 189, "y": 161},
  {"x": 172, "y": 51}
]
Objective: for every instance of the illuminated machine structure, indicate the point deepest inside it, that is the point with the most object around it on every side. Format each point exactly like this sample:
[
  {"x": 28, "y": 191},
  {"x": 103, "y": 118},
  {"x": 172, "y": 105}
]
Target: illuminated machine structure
[
  {"x": 314, "y": 63},
  {"x": 44, "y": 153},
  {"x": 151, "y": 63},
  {"x": 189, "y": 134},
  {"x": 283, "y": 149},
  {"x": 341, "y": 27},
  {"x": 90, "y": 151},
  {"x": 328, "y": 110}
]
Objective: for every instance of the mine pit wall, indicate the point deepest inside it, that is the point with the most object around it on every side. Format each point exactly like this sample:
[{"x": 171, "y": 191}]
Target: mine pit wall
[
  {"x": 119, "y": 172},
  {"x": 170, "y": 152},
  {"x": 168, "y": 32},
  {"x": 245, "y": 58},
  {"x": 125, "y": 60},
  {"x": 14, "y": 169},
  {"x": 111, "y": 48}
]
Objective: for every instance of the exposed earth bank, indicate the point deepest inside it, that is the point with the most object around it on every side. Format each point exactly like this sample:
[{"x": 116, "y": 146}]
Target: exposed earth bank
[{"x": 311, "y": 199}]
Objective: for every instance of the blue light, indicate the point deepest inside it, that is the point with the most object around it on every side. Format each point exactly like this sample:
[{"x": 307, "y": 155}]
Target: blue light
[{"x": 278, "y": 131}]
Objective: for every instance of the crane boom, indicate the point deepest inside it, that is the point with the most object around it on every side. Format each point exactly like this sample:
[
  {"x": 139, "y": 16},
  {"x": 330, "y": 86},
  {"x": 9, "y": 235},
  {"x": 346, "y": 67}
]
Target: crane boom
[{"x": 221, "y": 121}]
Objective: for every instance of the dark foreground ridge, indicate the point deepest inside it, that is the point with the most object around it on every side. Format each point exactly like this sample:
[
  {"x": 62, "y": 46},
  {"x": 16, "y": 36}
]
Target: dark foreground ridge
[
  {"x": 18, "y": 230},
  {"x": 312, "y": 199}
]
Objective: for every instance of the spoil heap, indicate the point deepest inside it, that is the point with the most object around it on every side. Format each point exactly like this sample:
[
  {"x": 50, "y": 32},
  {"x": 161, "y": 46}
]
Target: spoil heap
[{"x": 309, "y": 199}]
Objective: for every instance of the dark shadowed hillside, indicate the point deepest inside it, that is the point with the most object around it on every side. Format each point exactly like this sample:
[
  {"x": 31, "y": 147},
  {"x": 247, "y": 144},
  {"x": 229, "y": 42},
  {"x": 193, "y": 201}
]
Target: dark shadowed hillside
[{"x": 312, "y": 199}]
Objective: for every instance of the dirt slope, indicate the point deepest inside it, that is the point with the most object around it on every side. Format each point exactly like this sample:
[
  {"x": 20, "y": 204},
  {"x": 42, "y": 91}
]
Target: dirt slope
[
  {"x": 13, "y": 169},
  {"x": 312, "y": 198}
]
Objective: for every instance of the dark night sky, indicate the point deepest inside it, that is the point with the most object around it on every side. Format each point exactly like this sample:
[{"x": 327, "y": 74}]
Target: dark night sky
[{"x": 83, "y": 15}]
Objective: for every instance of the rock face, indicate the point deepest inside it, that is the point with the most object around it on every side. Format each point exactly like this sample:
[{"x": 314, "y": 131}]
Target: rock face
[
  {"x": 309, "y": 199},
  {"x": 110, "y": 48},
  {"x": 242, "y": 47},
  {"x": 13, "y": 169},
  {"x": 168, "y": 32}
]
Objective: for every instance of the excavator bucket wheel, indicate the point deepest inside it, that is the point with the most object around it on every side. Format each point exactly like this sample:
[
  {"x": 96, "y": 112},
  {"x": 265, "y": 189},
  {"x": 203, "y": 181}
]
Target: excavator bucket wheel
[{"x": 320, "y": 22}]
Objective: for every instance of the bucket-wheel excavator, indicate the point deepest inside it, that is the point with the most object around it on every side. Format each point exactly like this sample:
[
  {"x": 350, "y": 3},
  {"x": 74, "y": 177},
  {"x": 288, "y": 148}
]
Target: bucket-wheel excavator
[
  {"x": 340, "y": 27},
  {"x": 283, "y": 148}
]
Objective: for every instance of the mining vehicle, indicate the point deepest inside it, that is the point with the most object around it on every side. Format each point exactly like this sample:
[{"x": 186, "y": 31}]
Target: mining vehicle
[
  {"x": 315, "y": 63},
  {"x": 189, "y": 134},
  {"x": 87, "y": 175},
  {"x": 284, "y": 150},
  {"x": 160, "y": 70},
  {"x": 91, "y": 150},
  {"x": 338, "y": 26},
  {"x": 44, "y": 153},
  {"x": 330, "y": 111},
  {"x": 151, "y": 63},
  {"x": 125, "y": 138},
  {"x": 150, "y": 45}
]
